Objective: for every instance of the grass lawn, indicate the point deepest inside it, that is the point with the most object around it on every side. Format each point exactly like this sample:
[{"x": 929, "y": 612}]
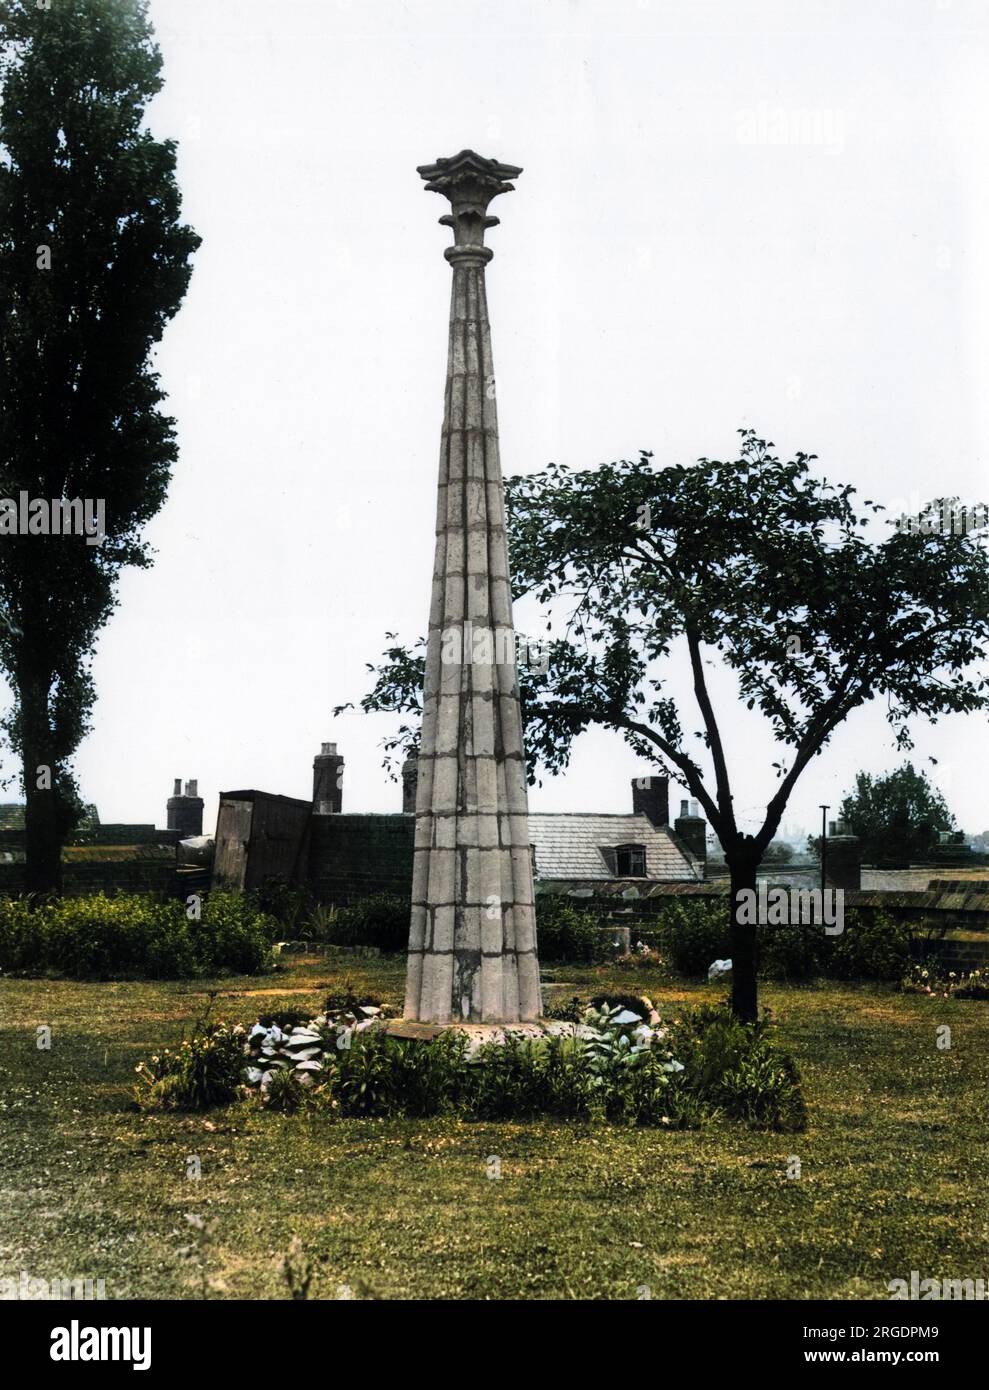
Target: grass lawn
[{"x": 893, "y": 1164}]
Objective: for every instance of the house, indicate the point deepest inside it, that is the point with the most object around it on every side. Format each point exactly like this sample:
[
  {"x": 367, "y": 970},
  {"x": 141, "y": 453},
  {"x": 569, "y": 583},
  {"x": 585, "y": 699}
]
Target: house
[{"x": 347, "y": 856}]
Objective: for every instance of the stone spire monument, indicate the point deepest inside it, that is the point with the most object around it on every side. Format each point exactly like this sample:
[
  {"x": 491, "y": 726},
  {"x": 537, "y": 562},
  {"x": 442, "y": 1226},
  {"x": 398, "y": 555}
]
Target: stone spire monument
[{"x": 472, "y": 942}]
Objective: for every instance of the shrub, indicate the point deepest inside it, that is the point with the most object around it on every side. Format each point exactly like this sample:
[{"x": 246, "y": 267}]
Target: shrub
[
  {"x": 733, "y": 1066},
  {"x": 381, "y": 920},
  {"x": 870, "y": 948},
  {"x": 565, "y": 932},
  {"x": 431, "y": 1079},
  {"x": 691, "y": 934},
  {"x": 366, "y": 1081},
  {"x": 233, "y": 934},
  {"x": 289, "y": 904},
  {"x": 23, "y": 935},
  {"x": 134, "y": 935},
  {"x": 791, "y": 951},
  {"x": 205, "y": 1070},
  {"x": 507, "y": 1080}
]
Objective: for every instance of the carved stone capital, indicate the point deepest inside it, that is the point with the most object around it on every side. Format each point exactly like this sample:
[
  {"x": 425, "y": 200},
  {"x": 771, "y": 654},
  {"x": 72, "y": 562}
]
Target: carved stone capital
[{"x": 470, "y": 182}]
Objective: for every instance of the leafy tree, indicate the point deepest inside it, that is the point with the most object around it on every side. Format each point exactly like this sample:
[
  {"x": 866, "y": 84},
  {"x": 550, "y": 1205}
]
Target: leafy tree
[
  {"x": 895, "y": 817},
  {"x": 778, "y": 852},
  {"x": 754, "y": 562},
  {"x": 93, "y": 263}
]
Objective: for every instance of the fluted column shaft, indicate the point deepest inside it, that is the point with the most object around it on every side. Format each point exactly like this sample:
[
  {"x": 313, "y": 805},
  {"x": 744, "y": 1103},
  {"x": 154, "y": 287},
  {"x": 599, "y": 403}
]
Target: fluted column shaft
[{"x": 472, "y": 946}]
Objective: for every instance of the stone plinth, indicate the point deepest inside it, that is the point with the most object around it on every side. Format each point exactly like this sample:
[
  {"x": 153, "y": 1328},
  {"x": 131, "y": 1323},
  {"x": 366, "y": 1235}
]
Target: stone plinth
[
  {"x": 477, "y": 1033},
  {"x": 472, "y": 942}
]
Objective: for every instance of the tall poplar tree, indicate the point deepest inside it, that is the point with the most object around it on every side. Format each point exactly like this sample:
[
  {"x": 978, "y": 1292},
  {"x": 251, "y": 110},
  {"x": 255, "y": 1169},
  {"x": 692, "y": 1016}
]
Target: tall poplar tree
[{"x": 94, "y": 262}]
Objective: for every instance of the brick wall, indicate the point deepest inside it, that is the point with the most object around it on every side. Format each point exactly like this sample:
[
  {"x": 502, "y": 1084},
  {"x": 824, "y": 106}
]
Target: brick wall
[
  {"x": 355, "y": 856},
  {"x": 78, "y": 880}
]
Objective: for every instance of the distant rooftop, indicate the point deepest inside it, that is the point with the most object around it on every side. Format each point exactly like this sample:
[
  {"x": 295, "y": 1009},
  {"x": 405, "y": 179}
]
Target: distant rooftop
[
  {"x": 12, "y": 816},
  {"x": 571, "y": 846}
]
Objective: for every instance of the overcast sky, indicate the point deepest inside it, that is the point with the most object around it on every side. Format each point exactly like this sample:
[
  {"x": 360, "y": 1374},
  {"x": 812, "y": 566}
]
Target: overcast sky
[{"x": 766, "y": 214}]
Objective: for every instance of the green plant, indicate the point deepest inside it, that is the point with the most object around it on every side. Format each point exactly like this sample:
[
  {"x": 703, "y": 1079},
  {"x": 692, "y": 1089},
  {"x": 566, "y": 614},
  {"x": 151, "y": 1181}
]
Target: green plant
[
  {"x": 430, "y": 1078},
  {"x": 570, "y": 1011},
  {"x": 234, "y": 932},
  {"x": 290, "y": 904},
  {"x": 366, "y": 1081},
  {"x": 205, "y": 1070},
  {"x": 507, "y": 1080},
  {"x": 733, "y": 1066},
  {"x": 133, "y": 935},
  {"x": 284, "y": 1092},
  {"x": 791, "y": 951},
  {"x": 380, "y": 920},
  {"x": 565, "y": 932},
  {"x": 872, "y": 947},
  {"x": 693, "y": 934}
]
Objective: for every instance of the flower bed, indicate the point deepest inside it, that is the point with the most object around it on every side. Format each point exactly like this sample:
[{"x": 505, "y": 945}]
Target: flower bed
[
  {"x": 609, "y": 1061},
  {"x": 947, "y": 984}
]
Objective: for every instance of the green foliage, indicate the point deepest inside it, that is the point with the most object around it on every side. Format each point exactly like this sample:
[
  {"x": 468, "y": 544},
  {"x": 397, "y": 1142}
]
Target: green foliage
[
  {"x": 290, "y": 904},
  {"x": 508, "y": 1080},
  {"x": 431, "y": 1079},
  {"x": 693, "y": 933},
  {"x": 285, "y": 1092},
  {"x": 649, "y": 569},
  {"x": 81, "y": 176},
  {"x": 615, "y": 1066},
  {"x": 733, "y": 1066},
  {"x": 204, "y": 1071},
  {"x": 872, "y": 947},
  {"x": 132, "y": 936},
  {"x": 792, "y": 951},
  {"x": 365, "y": 1081},
  {"x": 896, "y": 816},
  {"x": 566, "y": 932},
  {"x": 234, "y": 934},
  {"x": 380, "y": 920}
]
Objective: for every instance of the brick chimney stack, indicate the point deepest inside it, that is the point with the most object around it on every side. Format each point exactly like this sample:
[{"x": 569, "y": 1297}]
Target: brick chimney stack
[
  {"x": 651, "y": 798},
  {"x": 691, "y": 829},
  {"x": 410, "y": 781},
  {"x": 327, "y": 781},
  {"x": 185, "y": 811},
  {"x": 844, "y": 858}
]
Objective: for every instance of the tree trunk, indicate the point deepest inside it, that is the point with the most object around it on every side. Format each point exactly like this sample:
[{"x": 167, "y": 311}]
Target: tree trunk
[
  {"x": 742, "y": 940},
  {"x": 42, "y": 827}
]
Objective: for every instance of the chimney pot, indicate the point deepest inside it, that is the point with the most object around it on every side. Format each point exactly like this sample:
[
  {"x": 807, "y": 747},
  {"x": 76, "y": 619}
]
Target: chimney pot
[
  {"x": 177, "y": 790},
  {"x": 192, "y": 787},
  {"x": 327, "y": 787}
]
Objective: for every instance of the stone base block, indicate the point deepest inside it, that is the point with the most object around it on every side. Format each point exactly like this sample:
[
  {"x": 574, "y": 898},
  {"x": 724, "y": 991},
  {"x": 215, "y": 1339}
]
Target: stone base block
[{"x": 476, "y": 1032}]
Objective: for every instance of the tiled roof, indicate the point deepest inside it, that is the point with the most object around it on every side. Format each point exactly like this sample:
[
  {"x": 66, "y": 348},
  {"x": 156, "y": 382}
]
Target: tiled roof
[{"x": 569, "y": 847}]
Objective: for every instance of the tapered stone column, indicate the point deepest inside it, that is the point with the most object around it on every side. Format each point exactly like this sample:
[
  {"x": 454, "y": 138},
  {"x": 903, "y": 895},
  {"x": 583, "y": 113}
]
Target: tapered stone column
[{"x": 472, "y": 943}]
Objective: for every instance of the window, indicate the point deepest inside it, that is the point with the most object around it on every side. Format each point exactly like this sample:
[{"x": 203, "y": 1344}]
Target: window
[{"x": 630, "y": 861}]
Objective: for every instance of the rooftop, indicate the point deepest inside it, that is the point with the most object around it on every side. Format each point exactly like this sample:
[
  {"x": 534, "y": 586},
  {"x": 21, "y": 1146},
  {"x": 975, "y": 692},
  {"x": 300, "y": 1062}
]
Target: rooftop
[{"x": 569, "y": 845}]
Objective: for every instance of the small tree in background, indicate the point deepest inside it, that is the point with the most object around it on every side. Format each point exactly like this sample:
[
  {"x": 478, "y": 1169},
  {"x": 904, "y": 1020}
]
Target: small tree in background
[
  {"x": 754, "y": 563},
  {"x": 93, "y": 263},
  {"x": 897, "y": 816}
]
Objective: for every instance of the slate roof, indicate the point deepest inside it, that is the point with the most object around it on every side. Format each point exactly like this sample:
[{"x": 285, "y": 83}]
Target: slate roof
[{"x": 568, "y": 846}]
